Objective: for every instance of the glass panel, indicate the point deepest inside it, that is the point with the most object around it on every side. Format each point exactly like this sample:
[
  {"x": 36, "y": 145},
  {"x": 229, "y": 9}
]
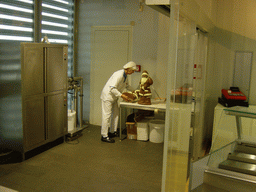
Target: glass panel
[
  {"x": 221, "y": 154},
  {"x": 16, "y": 25},
  {"x": 225, "y": 131},
  {"x": 179, "y": 101},
  {"x": 244, "y": 122},
  {"x": 229, "y": 124},
  {"x": 198, "y": 102},
  {"x": 16, "y": 20},
  {"x": 57, "y": 25},
  {"x": 241, "y": 111}
]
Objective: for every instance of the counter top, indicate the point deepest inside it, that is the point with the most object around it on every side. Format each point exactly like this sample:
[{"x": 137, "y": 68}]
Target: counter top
[{"x": 154, "y": 105}]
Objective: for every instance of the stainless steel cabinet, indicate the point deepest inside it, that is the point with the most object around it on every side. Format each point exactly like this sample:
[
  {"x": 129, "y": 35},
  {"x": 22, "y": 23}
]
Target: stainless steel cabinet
[
  {"x": 43, "y": 97},
  {"x": 44, "y": 75},
  {"x": 34, "y": 122}
]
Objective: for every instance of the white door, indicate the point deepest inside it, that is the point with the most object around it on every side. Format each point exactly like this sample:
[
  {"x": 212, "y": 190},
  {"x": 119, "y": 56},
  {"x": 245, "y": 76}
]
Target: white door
[
  {"x": 242, "y": 72},
  {"x": 111, "y": 49}
]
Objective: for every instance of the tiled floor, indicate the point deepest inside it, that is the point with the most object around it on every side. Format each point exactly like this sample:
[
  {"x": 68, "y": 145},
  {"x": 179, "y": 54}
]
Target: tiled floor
[{"x": 89, "y": 165}]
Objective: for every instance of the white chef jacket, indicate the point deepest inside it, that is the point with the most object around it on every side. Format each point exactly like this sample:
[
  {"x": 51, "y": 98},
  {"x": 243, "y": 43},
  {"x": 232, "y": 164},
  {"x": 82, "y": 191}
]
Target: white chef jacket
[{"x": 115, "y": 86}]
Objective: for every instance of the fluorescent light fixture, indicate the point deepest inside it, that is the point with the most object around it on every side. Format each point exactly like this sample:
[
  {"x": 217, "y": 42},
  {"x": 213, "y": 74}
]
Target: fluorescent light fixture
[
  {"x": 10, "y": 67},
  {"x": 61, "y": 1},
  {"x": 15, "y": 38},
  {"x": 54, "y": 24},
  {"x": 14, "y": 28},
  {"x": 10, "y": 77},
  {"x": 55, "y": 16},
  {"x": 15, "y": 8},
  {"x": 54, "y": 32},
  {"x": 54, "y": 7},
  {"x": 15, "y": 18},
  {"x": 27, "y": 1}
]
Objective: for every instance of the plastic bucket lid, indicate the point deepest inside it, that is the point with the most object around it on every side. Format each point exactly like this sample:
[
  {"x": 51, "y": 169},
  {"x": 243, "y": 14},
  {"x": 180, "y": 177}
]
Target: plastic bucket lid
[{"x": 157, "y": 124}]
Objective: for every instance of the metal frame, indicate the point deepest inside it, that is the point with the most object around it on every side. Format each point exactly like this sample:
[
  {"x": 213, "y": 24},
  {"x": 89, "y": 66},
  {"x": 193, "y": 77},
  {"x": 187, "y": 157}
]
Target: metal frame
[
  {"x": 159, "y": 106},
  {"x": 77, "y": 87}
]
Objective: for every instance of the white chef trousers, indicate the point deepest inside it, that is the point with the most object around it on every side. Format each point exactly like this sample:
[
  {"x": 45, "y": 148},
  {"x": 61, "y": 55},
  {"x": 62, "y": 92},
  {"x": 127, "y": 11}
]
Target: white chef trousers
[{"x": 110, "y": 112}]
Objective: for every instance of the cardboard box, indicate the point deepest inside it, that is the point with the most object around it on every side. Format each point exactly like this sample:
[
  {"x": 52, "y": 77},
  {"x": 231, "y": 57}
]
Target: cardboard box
[{"x": 131, "y": 130}]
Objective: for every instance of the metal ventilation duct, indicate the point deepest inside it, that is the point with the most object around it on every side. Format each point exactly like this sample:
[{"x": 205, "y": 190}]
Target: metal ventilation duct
[{"x": 162, "y": 6}]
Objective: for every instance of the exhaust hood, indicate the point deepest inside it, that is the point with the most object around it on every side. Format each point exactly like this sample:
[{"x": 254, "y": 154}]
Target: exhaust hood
[{"x": 162, "y": 6}]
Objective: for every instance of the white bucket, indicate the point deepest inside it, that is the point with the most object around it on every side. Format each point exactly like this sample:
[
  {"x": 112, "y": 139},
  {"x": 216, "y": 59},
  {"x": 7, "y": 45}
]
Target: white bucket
[
  {"x": 71, "y": 120},
  {"x": 156, "y": 134}
]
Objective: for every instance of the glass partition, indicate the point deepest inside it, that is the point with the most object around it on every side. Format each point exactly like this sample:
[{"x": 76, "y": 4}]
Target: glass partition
[
  {"x": 245, "y": 130},
  {"x": 225, "y": 131},
  {"x": 227, "y": 34},
  {"x": 179, "y": 101},
  {"x": 220, "y": 155},
  {"x": 234, "y": 125}
]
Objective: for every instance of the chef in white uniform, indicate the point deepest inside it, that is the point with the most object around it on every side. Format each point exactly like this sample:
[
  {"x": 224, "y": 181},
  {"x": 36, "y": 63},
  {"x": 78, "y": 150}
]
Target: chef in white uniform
[{"x": 109, "y": 99}]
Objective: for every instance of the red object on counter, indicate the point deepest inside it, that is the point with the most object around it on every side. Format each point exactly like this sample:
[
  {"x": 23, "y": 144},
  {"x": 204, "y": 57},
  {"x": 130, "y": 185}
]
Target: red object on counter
[{"x": 228, "y": 94}]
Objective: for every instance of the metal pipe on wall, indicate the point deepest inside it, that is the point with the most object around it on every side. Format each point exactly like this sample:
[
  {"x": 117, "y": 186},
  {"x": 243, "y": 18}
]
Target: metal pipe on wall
[
  {"x": 80, "y": 89},
  {"x": 81, "y": 103},
  {"x": 77, "y": 88},
  {"x": 75, "y": 104},
  {"x": 37, "y": 20}
]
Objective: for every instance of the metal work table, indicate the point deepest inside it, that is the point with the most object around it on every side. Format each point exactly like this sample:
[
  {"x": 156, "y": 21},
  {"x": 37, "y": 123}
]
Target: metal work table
[{"x": 154, "y": 106}]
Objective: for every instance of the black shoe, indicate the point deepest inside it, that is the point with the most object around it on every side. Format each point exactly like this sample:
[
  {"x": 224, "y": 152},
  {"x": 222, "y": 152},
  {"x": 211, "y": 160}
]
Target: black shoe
[
  {"x": 107, "y": 139},
  {"x": 111, "y": 135}
]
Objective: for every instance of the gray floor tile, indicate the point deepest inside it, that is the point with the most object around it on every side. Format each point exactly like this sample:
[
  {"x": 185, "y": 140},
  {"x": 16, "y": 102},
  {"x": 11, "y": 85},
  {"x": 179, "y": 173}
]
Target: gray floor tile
[{"x": 88, "y": 164}]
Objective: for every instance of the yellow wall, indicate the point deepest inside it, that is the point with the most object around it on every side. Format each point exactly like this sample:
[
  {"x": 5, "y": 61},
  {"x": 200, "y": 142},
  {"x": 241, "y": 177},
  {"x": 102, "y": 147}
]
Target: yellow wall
[
  {"x": 196, "y": 11},
  {"x": 238, "y": 17},
  {"x": 232, "y": 15},
  {"x": 231, "y": 27}
]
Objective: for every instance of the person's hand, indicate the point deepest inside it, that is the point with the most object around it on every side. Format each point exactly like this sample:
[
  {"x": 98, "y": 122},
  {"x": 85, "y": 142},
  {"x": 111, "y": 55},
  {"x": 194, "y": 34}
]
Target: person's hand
[{"x": 125, "y": 97}]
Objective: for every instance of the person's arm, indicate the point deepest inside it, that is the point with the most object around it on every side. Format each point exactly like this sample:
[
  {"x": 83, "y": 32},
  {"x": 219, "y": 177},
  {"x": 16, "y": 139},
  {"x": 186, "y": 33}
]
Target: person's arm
[
  {"x": 118, "y": 94},
  {"x": 116, "y": 79},
  {"x": 115, "y": 91}
]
